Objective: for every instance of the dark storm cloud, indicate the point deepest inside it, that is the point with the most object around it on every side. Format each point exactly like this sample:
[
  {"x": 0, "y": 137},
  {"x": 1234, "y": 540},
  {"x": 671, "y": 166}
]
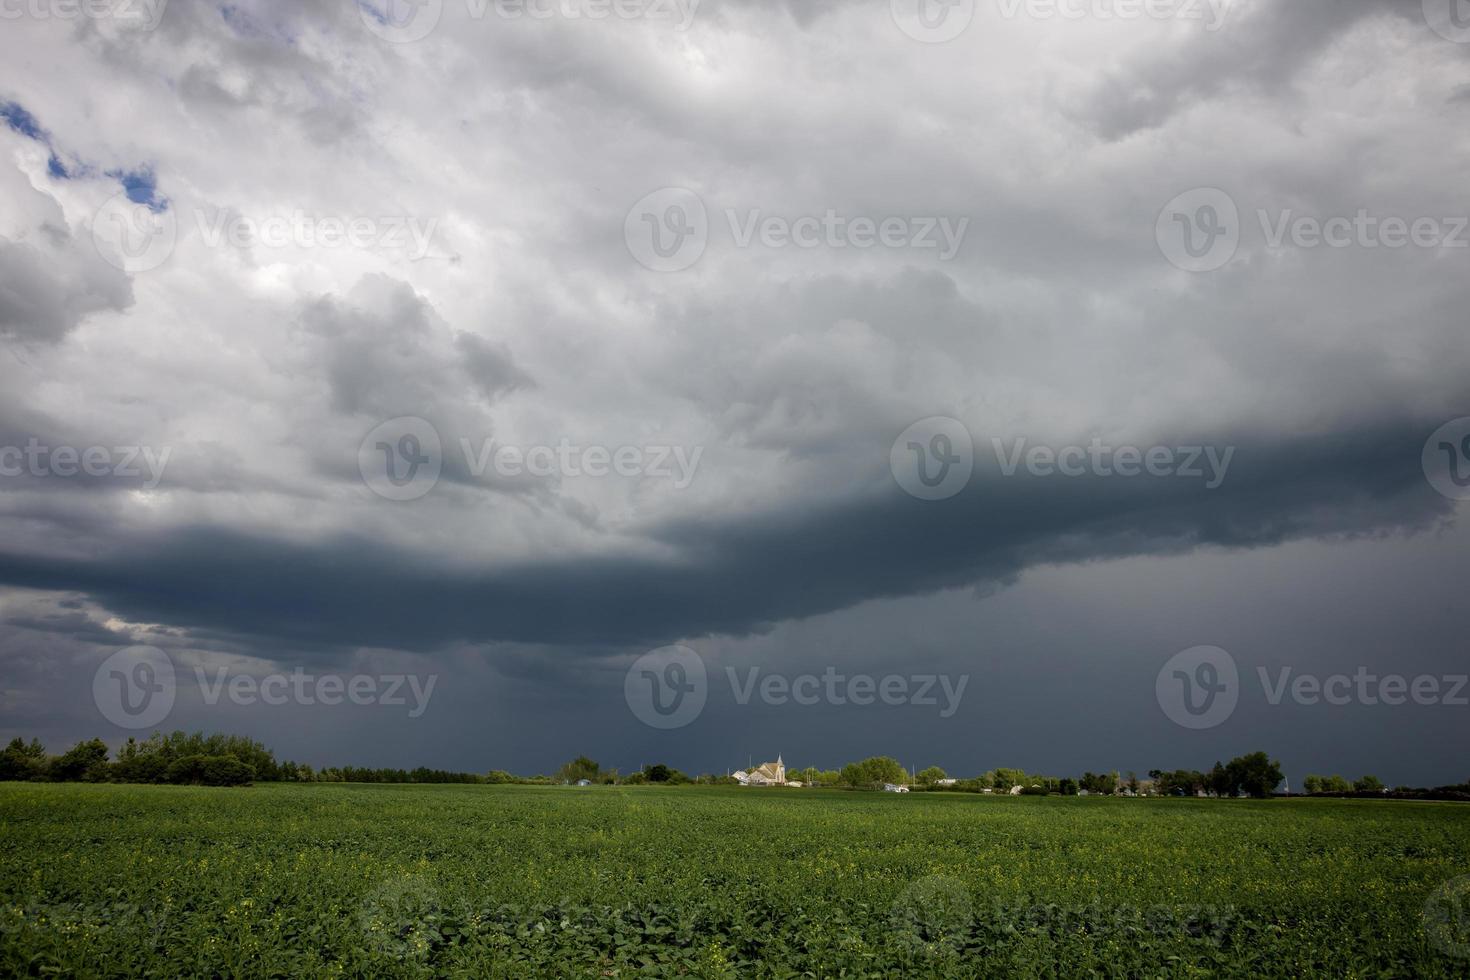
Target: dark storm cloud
[
  {"x": 48, "y": 290},
  {"x": 489, "y": 366},
  {"x": 263, "y": 369},
  {"x": 732, "y": 576},
  {"x": 384, "y": 348},
  {"x": 75, "y": 625}
]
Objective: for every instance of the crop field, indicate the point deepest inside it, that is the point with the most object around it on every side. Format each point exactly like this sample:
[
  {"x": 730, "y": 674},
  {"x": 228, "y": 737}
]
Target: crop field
[{"x": 327, "y": 880}]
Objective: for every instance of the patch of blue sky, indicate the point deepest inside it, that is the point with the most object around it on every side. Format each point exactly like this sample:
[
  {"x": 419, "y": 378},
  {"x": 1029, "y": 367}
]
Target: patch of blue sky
[
  {"x": 141, "y": 187},
  {"x": 141, "y": 184}
]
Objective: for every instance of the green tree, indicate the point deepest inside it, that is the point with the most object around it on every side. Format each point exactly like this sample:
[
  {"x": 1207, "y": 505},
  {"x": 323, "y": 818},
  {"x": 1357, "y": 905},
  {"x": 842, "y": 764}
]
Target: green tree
[
  {"x": 148, "y": 761},
  {"x": 1218, "y": 781},
  {"x": 932, "y": 775},
  {"x": 1180, "y": 782},
  {"x": 85, "y": 760},
  {"x": 210, "y": 770},
  {"x": 20, "y": 760},
  {"x": 1326, "y": 784},
  {"x": 579, "y": 768},
  {"x": 882, "y": 769},
  {"x": 1256, "y": 774},
  {"x": 138, "y": 763},
  {"x": 873, "y": 773},
  {"x": 1369, "y": 784},
  {"x": 1004, "y": 779}
]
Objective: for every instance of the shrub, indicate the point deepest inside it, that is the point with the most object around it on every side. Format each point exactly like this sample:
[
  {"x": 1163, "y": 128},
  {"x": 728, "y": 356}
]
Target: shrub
[
  {"x": 210, "y": 770},
  {"x": 138, "y": 768}
]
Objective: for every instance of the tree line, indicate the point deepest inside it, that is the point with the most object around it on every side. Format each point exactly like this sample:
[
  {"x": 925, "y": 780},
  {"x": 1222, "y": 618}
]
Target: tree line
[
  {"x": 1254, "y": 775},
  {"x": 179, "y": 758},
  {"x": 1371, "y": 787},
  {"x": 183, "y": 758},
  {"x": 1322, "y": 785},
  {"x": 234, "y": 760},
  {"x": 197, "y": 758}
]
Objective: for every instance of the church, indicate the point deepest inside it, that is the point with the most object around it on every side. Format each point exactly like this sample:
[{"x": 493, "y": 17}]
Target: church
[{"x": 765, "y": 774}]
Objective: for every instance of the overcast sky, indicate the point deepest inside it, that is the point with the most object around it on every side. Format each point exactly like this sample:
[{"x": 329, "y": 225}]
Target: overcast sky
[{"x": 1006, "y": 349}]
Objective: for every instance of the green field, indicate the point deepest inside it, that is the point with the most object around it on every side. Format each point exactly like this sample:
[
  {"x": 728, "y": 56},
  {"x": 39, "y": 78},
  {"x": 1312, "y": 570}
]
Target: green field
[{"x": 292, "y": 880}]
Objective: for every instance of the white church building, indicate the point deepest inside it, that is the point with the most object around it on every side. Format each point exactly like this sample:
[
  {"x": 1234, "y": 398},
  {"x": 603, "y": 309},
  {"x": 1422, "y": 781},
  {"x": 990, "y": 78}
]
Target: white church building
[{"x": 765, "y": 774}]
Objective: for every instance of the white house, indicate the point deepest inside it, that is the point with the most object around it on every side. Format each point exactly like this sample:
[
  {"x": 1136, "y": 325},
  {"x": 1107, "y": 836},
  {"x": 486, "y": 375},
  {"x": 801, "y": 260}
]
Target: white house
[{"x": 894, "y": 788}]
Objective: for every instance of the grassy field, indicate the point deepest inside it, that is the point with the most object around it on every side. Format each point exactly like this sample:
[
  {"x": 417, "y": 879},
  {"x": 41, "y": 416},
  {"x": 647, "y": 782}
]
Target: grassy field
[{"x": 283, "y": 880}]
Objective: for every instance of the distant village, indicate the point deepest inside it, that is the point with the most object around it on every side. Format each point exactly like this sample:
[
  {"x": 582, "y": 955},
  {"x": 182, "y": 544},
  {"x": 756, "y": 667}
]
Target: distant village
[
  {"x": 893, "y": 778},
  {"x": 1255, "y": 774}
]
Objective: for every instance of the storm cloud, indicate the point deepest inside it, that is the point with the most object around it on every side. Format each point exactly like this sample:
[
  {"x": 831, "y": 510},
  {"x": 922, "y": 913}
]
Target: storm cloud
[{"x": 361, "y": 249}]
